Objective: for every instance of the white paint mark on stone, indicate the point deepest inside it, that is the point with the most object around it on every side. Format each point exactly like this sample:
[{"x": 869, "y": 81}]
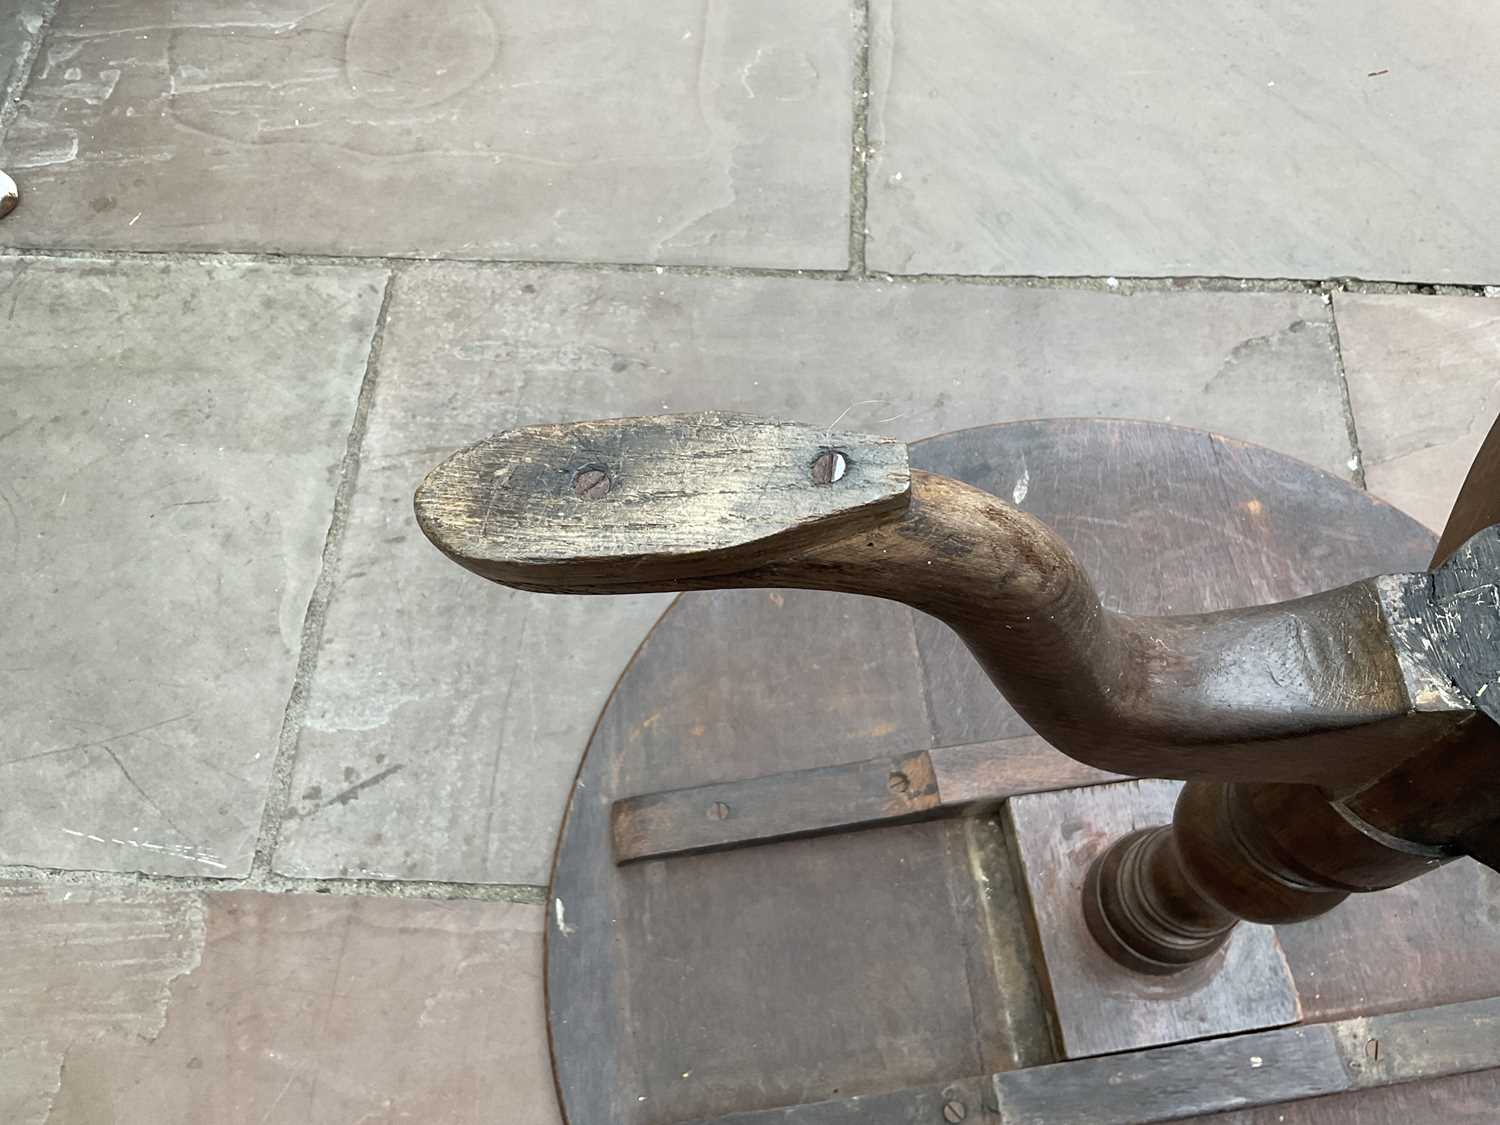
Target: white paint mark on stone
[
  {"x": 562, "y": 919},
  {"x": 59, "y": 53},
  {"x": 784, "y": 74},
  {"x": 90, "y": 92},
  {"x": 355, "y": 712},
  {"x": 57, "y": 146},
  {"x": 189, "y": 852},
  {"x": 1256, "y": 1062},
  {"x": 1023, "y": 486}
]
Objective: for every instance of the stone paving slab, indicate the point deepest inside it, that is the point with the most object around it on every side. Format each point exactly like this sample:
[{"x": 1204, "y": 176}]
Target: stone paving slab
[
  {"x": 170, "y": 445},
  {"x": 274, "y": 1009},
  {"x": 20, "y": 21},
  {"x": 677, "y": 131},
  {"x": 1424, "y": 384},
  {"x": 1174, "y": 138},
  {"x": 446, "y": 715}
]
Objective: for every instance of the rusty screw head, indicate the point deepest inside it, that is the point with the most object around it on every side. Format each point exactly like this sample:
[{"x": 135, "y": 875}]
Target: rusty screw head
[
  {"x": 591, "y": 482},
  {"x": 718, "y": 810},
  {"x": 954, "y": 1111},
  {"x": 898, "y": 782},
  {"x": 829, "y": 467}
]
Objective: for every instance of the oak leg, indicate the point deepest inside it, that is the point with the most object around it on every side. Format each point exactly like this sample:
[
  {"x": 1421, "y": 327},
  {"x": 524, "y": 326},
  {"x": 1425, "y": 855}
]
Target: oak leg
[{"x": 1161, "y": 899}]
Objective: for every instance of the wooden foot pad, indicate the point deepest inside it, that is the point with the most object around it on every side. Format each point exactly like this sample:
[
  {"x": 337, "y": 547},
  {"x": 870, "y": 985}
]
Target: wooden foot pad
[{"x": 1098, "y": 1006}]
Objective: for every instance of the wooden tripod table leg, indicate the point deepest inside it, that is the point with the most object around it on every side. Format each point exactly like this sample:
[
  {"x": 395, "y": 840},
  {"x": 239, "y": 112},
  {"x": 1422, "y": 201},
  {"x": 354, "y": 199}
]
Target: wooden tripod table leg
[{"x": 1162, "y": 899}]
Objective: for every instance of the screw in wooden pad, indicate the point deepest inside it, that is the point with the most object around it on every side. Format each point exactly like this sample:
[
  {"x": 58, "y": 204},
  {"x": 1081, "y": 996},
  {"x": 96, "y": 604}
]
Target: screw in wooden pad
[
  {"x": 591, "y": 482},
  {"x": 829, "y": 467}
]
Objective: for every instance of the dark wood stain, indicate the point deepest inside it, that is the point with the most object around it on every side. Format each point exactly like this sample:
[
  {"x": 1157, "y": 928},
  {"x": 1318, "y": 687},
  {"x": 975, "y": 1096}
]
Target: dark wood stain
[
  {"x": 1416, "y": 1068},
  {"x": 945, "y": 781},
  {"x": 776, "y": 807}
]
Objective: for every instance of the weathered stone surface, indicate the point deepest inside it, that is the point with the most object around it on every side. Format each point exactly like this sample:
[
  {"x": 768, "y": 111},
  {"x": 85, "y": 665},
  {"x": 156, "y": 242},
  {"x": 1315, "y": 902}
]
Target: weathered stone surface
[
  {"x": 680, "y": 131},
  {"x": 120, "y": 954},
  {"x": 447, "y": 715},
  {"x": 1424, "y": 383},
  {"x": 269, "y": 1008},
  {"x": 170, "y": 439},
  {"x": 1246, "y": 139},
  {"x": 19, "y": 23}
]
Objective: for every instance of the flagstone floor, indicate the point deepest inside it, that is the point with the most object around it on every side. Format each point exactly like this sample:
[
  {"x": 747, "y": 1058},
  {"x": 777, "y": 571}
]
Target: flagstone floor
[{"x": 278, "y": 784}]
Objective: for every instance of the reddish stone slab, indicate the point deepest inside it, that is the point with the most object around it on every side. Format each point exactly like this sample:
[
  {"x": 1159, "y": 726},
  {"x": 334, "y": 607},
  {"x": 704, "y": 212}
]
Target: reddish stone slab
[{"x": 142, "y": 1006}]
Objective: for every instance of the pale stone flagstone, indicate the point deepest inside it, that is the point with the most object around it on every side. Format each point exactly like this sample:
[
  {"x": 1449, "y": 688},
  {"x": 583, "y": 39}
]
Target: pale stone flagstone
[
  {"x": 1171, "y": 138},
  {"x": 1424, "y": 383},
  {"x": 678, "y": 131},
  {"x": 172, "y": 437}
]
